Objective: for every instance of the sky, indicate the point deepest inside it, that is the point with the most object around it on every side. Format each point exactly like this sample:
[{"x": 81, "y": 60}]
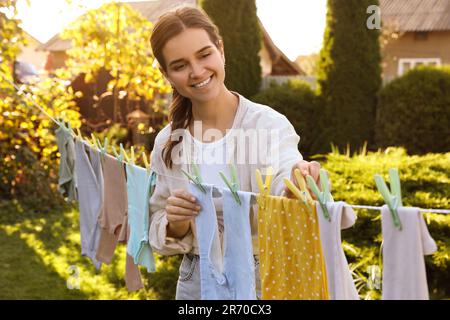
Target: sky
[{"x": 295, "y": 26}]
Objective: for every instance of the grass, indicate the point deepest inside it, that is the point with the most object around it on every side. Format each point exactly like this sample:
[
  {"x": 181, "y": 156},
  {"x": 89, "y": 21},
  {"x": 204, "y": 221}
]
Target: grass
[{"x": 40, "y": 259}]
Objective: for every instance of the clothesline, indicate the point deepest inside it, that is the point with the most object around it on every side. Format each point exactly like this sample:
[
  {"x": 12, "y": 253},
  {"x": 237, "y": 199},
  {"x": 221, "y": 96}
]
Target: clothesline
[{"x": 443, "y": 211}]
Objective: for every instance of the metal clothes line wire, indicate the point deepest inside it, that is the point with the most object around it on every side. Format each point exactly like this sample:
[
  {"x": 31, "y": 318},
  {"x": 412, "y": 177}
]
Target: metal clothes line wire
[{"x": 443, "y": 211}]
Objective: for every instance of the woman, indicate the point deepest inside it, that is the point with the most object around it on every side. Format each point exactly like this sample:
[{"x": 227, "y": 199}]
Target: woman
[{"x": 190, "y": 53}]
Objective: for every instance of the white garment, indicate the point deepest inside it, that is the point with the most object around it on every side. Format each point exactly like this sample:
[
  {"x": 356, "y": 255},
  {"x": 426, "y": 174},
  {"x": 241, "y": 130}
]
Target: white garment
[
  {"x": 340, "y": 281},
  {"x": 404, "y": 275}
]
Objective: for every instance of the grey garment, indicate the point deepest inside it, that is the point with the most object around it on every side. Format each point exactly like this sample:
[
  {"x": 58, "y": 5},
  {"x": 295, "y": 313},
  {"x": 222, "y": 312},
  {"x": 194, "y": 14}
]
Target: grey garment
[
  {"x": 90, "y": 197},
  {"x": 67, "y": 178},
  {"x": 188, "y": 285}
]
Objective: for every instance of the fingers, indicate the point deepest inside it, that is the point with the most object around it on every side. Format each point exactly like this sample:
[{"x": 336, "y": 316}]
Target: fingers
[
  {"x": 181, "y": 206},
  {"x": 182, "y": 203},
  {"x": 180, "y": 193},
  {"x": 314, "y": 169}
]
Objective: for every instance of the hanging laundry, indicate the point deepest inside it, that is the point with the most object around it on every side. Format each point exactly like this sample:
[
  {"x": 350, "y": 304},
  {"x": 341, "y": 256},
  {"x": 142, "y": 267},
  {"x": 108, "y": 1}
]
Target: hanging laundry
[
  {"x": 90, "y": 196},
  {"x": 67, "y": 178},
  {"x": 139, "y": 183},
  {"x": 113, "y": 219},
  {"x": 239, "y": 263},
  {"x": 291, "y": 259},
  {"x": 115, "y": 207},
  {"x": 404, "y": 275},
  {"x": 228, "y": 274},
  {"x": 339, "y": 277},
  {"x": 213, "y": 282}
]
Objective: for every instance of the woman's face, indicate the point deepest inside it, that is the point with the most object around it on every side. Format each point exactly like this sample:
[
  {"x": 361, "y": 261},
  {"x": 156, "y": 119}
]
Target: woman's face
[{"x": 194, "y": 65}]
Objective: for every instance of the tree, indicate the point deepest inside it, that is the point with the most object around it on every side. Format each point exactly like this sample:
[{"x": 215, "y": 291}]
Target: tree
[
  {"x": 349, "y": 74},
  {"x": 115, "y": 38},
  {"x": 239, "y": 27},
  {"x": 28, "y": 152}
]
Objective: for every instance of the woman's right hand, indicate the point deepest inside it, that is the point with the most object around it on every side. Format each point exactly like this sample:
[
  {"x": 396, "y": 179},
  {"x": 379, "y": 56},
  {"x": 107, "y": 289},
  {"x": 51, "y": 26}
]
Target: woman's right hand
[{"x": 181, "y": 208}]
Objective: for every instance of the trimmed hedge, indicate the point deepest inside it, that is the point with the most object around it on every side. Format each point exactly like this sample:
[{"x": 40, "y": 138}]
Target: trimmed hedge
[
  {"x": 301, "y": 105},
  {"x": 414, "y": 111}
]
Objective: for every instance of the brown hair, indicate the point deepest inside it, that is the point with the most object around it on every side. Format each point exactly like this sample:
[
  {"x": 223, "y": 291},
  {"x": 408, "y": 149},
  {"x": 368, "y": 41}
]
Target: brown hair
[{"x": 168, "y": 26}]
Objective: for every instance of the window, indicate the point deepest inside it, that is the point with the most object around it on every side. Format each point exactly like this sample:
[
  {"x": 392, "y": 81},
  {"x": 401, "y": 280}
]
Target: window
[{"x": 405, "y": 65}]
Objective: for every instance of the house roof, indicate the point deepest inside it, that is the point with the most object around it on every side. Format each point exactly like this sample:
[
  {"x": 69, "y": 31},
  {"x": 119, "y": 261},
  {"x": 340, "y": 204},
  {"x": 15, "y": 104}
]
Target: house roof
[
  {"x": 148, "y": 9},
  {"x": 278, "y": 57},
  {"x": 416, "y": 15}
]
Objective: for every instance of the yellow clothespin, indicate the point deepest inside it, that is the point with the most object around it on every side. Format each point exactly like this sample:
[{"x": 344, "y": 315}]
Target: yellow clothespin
[
  {"x": 264, "y": 187},
  {"x": 146, "y": 163},
  {"x": 302, "y": 193},
  {"x": 79, "y": 136}
]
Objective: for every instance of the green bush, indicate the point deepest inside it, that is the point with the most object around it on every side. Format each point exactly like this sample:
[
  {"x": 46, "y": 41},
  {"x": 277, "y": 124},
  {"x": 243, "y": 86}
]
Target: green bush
[
  {"x": 298, "y": 102},
  {"x": 414, "y": 111}
]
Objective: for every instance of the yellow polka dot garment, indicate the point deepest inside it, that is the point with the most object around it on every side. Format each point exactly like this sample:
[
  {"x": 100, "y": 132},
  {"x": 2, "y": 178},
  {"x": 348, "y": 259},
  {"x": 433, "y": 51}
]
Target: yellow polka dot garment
[{"x": 291, "y": 261}]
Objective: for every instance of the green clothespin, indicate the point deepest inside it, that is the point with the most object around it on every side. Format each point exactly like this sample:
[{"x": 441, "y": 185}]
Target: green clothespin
[
  {"x": 234, "y": 184},
  {"x": 104, "y": 148},
  {"x": 152, "y": 182},
  {"x": 94, "y": 141},
  {"x": 124, "y": 154},
  {"x": 392, "y": 198},
  {"x": 195, "y": 178},
  {"x": 119, "y": 157},
  {"x": 323, "y": 196}
]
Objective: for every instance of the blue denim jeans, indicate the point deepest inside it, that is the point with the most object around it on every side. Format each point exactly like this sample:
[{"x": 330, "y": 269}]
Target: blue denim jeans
[{"x": 188, "y": 285}]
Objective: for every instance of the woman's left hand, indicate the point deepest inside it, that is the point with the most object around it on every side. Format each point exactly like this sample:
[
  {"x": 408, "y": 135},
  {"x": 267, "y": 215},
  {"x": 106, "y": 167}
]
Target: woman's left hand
[{"x": 306, "y": 168}]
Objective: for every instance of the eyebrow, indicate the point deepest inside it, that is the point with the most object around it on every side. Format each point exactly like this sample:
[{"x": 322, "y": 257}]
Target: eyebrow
[{"x": 179, "y": 60}]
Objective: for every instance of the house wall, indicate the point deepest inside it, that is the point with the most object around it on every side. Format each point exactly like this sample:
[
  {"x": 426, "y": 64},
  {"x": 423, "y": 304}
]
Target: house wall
[
  {"x": 266, "y": 62},
  {"x": 30, "y": 55},
  {"x": 410, "y": 46}
]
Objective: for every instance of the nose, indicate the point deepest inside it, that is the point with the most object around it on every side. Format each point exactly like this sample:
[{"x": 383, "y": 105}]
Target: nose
[{"x": 196, "y": 70}]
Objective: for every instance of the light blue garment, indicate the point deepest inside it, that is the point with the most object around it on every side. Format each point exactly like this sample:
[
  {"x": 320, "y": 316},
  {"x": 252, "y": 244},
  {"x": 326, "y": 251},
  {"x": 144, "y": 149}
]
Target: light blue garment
[
  {"x": 90, "y": 197},
  {"x": 239, "y": 265},
  {"x": 139, "y": 183},
  {"x": 229, "y": 276}
]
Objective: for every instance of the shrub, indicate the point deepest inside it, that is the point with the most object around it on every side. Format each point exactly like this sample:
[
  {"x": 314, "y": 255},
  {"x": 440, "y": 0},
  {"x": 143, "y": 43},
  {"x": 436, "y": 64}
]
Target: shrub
[
  {"x": 414, "y": 111},
  {"x": 298, "y": 102}
]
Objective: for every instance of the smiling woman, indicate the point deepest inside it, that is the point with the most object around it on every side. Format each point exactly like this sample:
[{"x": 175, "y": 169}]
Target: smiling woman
[{"x": 190, "y": 52}]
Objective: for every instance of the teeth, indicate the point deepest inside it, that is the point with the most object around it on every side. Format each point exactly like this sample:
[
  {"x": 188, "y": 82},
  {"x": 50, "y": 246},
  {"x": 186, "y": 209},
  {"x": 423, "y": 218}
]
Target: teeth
[{"x": 202, "y": 84}]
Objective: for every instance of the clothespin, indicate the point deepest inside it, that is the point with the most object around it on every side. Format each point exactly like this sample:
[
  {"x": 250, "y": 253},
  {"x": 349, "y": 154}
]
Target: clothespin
[
  {"x": 234, "y": 184},
  {"x": 152, "y": 182},
  {"x": 393, "y": 198},
  {"x": 264, "y": 187},
  {"x": 323, "y": 196},
  {"x": 94, "y": 141},
  {"x": 195, "y": 178},
  {"x": 132, "y": 160},
  {"x": 124, "y": 154},
  {"x": 80, "y": 137},
  {"x": 104, "y": 148},
  {"x": 302, "y": 193},
  {"x": 146, "y": 163}
]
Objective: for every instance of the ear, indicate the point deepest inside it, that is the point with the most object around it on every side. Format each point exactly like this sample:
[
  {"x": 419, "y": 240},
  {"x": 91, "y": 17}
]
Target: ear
[{"x": 221, "y": 49}]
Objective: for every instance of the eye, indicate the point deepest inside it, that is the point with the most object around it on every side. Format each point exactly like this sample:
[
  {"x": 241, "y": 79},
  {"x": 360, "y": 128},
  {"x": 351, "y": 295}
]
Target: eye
[
  {"x": 179, "y": 67},
  {"x": 205, "y": 55}
]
